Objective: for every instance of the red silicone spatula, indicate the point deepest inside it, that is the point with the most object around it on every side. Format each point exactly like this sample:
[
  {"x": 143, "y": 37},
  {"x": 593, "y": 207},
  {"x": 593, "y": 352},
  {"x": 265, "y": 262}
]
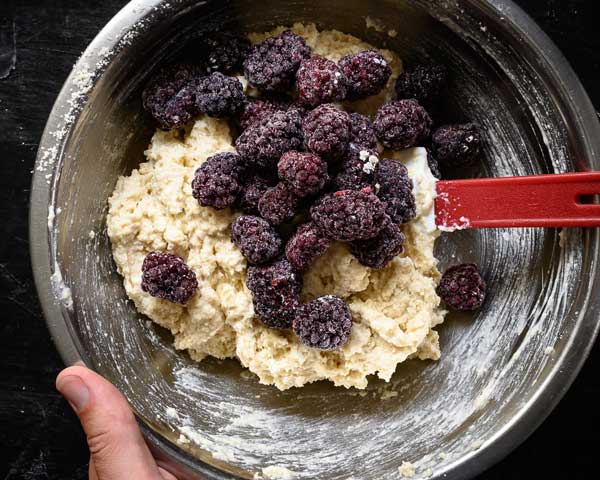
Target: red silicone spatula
[{"x": 535, "y": 201}]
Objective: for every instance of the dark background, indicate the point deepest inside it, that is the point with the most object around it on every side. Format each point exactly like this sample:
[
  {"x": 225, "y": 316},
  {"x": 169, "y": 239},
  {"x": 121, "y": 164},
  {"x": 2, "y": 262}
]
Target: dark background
[{"x": 39, "y": 436}]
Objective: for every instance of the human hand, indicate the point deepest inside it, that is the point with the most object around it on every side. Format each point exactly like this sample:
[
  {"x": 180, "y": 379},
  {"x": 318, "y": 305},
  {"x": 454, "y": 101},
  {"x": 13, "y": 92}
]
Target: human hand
[{"x": 117, "y": 448}]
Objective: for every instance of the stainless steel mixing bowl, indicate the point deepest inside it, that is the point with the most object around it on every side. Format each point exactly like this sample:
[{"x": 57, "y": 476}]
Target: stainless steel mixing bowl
[{"x": 501, "y": 372}]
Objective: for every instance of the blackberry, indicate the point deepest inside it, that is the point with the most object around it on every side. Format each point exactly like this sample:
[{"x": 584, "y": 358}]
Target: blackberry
[
  {"x": 259, "y": 109},
  {"x": 168, "y": 98},
  {"x": 275, "y": 292},
  {"x": 362, "y": 134},
  {"x": 252, "y": 190},
  {"x": 256, "y": 238},
  {"x": 217, "y": 182},
  {"x": 327, "y": 131},
  {"x": 378, "y": 251},
  {"x": 424, "y": 83},
  {"x": 271, "y": 65},
  {"x": 263, "y": 143},
  {"x": 324, "y": 323},
  {"x": 367, "y": 72},
  {"x": 218, "y": 95},
  {"x": 305, "y": 246},
  {"x": 349, "y": 215},
  {"x": 395, "y": 190},
  {"x": 304, "y": 173},
  {"x": 278, "y": 204},
  {"x": 320, "y": 80},
  {"x": 352, "y": 175},
  {"x": 167, "y": 276},
  {"x": 225, "y": 52},
  {"x": 402, "y": 124},
  {"x": 433, "y": 164},
  {"x": 456, "y": 145},
  {"x": 462, "y": 288}
]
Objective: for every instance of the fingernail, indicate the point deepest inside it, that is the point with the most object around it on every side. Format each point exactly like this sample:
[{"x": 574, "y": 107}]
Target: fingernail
[{"x": 75, "y": 391}]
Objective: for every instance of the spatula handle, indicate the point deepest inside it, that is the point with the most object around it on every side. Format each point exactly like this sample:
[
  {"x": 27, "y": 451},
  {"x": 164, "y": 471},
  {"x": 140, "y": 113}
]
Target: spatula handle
[{"x": 535, "y": 201}]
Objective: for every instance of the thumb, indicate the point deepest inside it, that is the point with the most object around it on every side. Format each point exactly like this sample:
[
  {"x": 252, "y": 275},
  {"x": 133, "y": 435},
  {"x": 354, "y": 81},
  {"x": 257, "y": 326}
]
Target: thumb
[{"x": 116, "y": 445}]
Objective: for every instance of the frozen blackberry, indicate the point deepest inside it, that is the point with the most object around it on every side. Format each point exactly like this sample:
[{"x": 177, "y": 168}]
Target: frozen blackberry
[
  {"x": 349, "y": 215},
  {"x": 305, "y": 246},
  {"x": 324, "y": 323},
  {"x": 272, "y": 64},
  {"x": 218, "y": 95},
  {"x": 402, "y": 124},
  {"x": 395, "y": 190},
  {"x": 262, "y": 144},
  {"x": 304, "y": 173},
  {"x": 225, "y": 52},
  {"x": 320, "y": 80},
  {"x": 456, "y": 145},
  {"x": 275, "y": 292},
  {"x": 362, "y": 134},
  {"x": 217, "y": 182},
  {"x": 367, "y": 72},
  {"x": 167, "y": 96},
  {"x": 258, "y": 109},
  {"x": 424, "y": 83},
  {"x": 352, "y": 174},
  {"x": 377, "y": 252},
  {"x": 167, "y": 276},
  {"x": 462, "y": 288},
  {"x": 256, "y": 238},
  {"x": 252, "y": 190},
  {"x": 433, "y": 164},
  {"x": 327, "y": 131},
  {"x": 278, "y": 204}
]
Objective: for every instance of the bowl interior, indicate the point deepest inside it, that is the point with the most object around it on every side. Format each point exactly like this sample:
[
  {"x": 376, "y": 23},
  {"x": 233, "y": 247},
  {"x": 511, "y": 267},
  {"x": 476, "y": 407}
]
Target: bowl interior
[{"x": 433, "y": 414}]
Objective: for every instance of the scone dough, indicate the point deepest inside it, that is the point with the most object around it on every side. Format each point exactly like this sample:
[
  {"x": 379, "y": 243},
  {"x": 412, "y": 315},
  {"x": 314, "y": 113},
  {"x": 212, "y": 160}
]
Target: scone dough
[{"x": 394, "y": 309}]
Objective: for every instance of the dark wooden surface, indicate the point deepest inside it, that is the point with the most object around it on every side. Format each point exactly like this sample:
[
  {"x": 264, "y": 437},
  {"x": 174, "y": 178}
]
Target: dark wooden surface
[{"x": 39, "y": 436}]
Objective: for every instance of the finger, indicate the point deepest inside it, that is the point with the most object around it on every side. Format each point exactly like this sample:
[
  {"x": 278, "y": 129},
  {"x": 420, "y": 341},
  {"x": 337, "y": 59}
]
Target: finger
[
  {"x": 92, "y": 471},
  {"x": 166, "y": 475},
  {"x": 116, "y": 445}
]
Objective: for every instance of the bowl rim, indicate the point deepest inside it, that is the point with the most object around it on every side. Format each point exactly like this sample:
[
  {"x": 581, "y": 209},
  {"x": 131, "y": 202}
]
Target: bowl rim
[{"x": 44, "y": 263}]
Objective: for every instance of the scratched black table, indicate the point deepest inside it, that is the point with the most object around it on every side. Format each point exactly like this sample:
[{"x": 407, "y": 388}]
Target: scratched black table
[{"x": 39, "y": 436}]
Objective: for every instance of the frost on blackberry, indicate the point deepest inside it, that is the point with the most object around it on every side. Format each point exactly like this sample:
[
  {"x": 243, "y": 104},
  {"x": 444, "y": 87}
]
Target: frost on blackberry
[
  {"x": 349, "y": 215},
  {"x": 258, "y": 109},
  {"x": 263, "y": 143},
  {"x": 305, "y": 246},
  {"x": 278, "y": 204},
  {"x": 456, "y": 145},
  {"x": 256, "y": 238},
  {"x": 272, "y": 64},
  {"x": 395, "y": 190},
  {"x": 275, "y": 292},
  {"x": 377, "y": 252},
  {"x": 462, "y": 288},
  {"x": 168, "y": 98},
  {"x": 424, "y": 83},
  {"x": 320, "y": 80},
  {"x": 167, "y": 276},
  {"x": 367, "y": 72},
  {"x": 217, "y": 182},
  {"x": 352, "y": 174},
  {"x": 225, "y": 52},
  {"x": 327, "y": 131},
  {"x": 304, "y": 173},
  {"x": 324, "y": 323},
  {"x": 218, "y": 95},
  {"x": 362, "y": 134},
  {"x": 433, "y": 164},
  {"x": 252, "y": 190},
  {"x": 402, "y": 124}
]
